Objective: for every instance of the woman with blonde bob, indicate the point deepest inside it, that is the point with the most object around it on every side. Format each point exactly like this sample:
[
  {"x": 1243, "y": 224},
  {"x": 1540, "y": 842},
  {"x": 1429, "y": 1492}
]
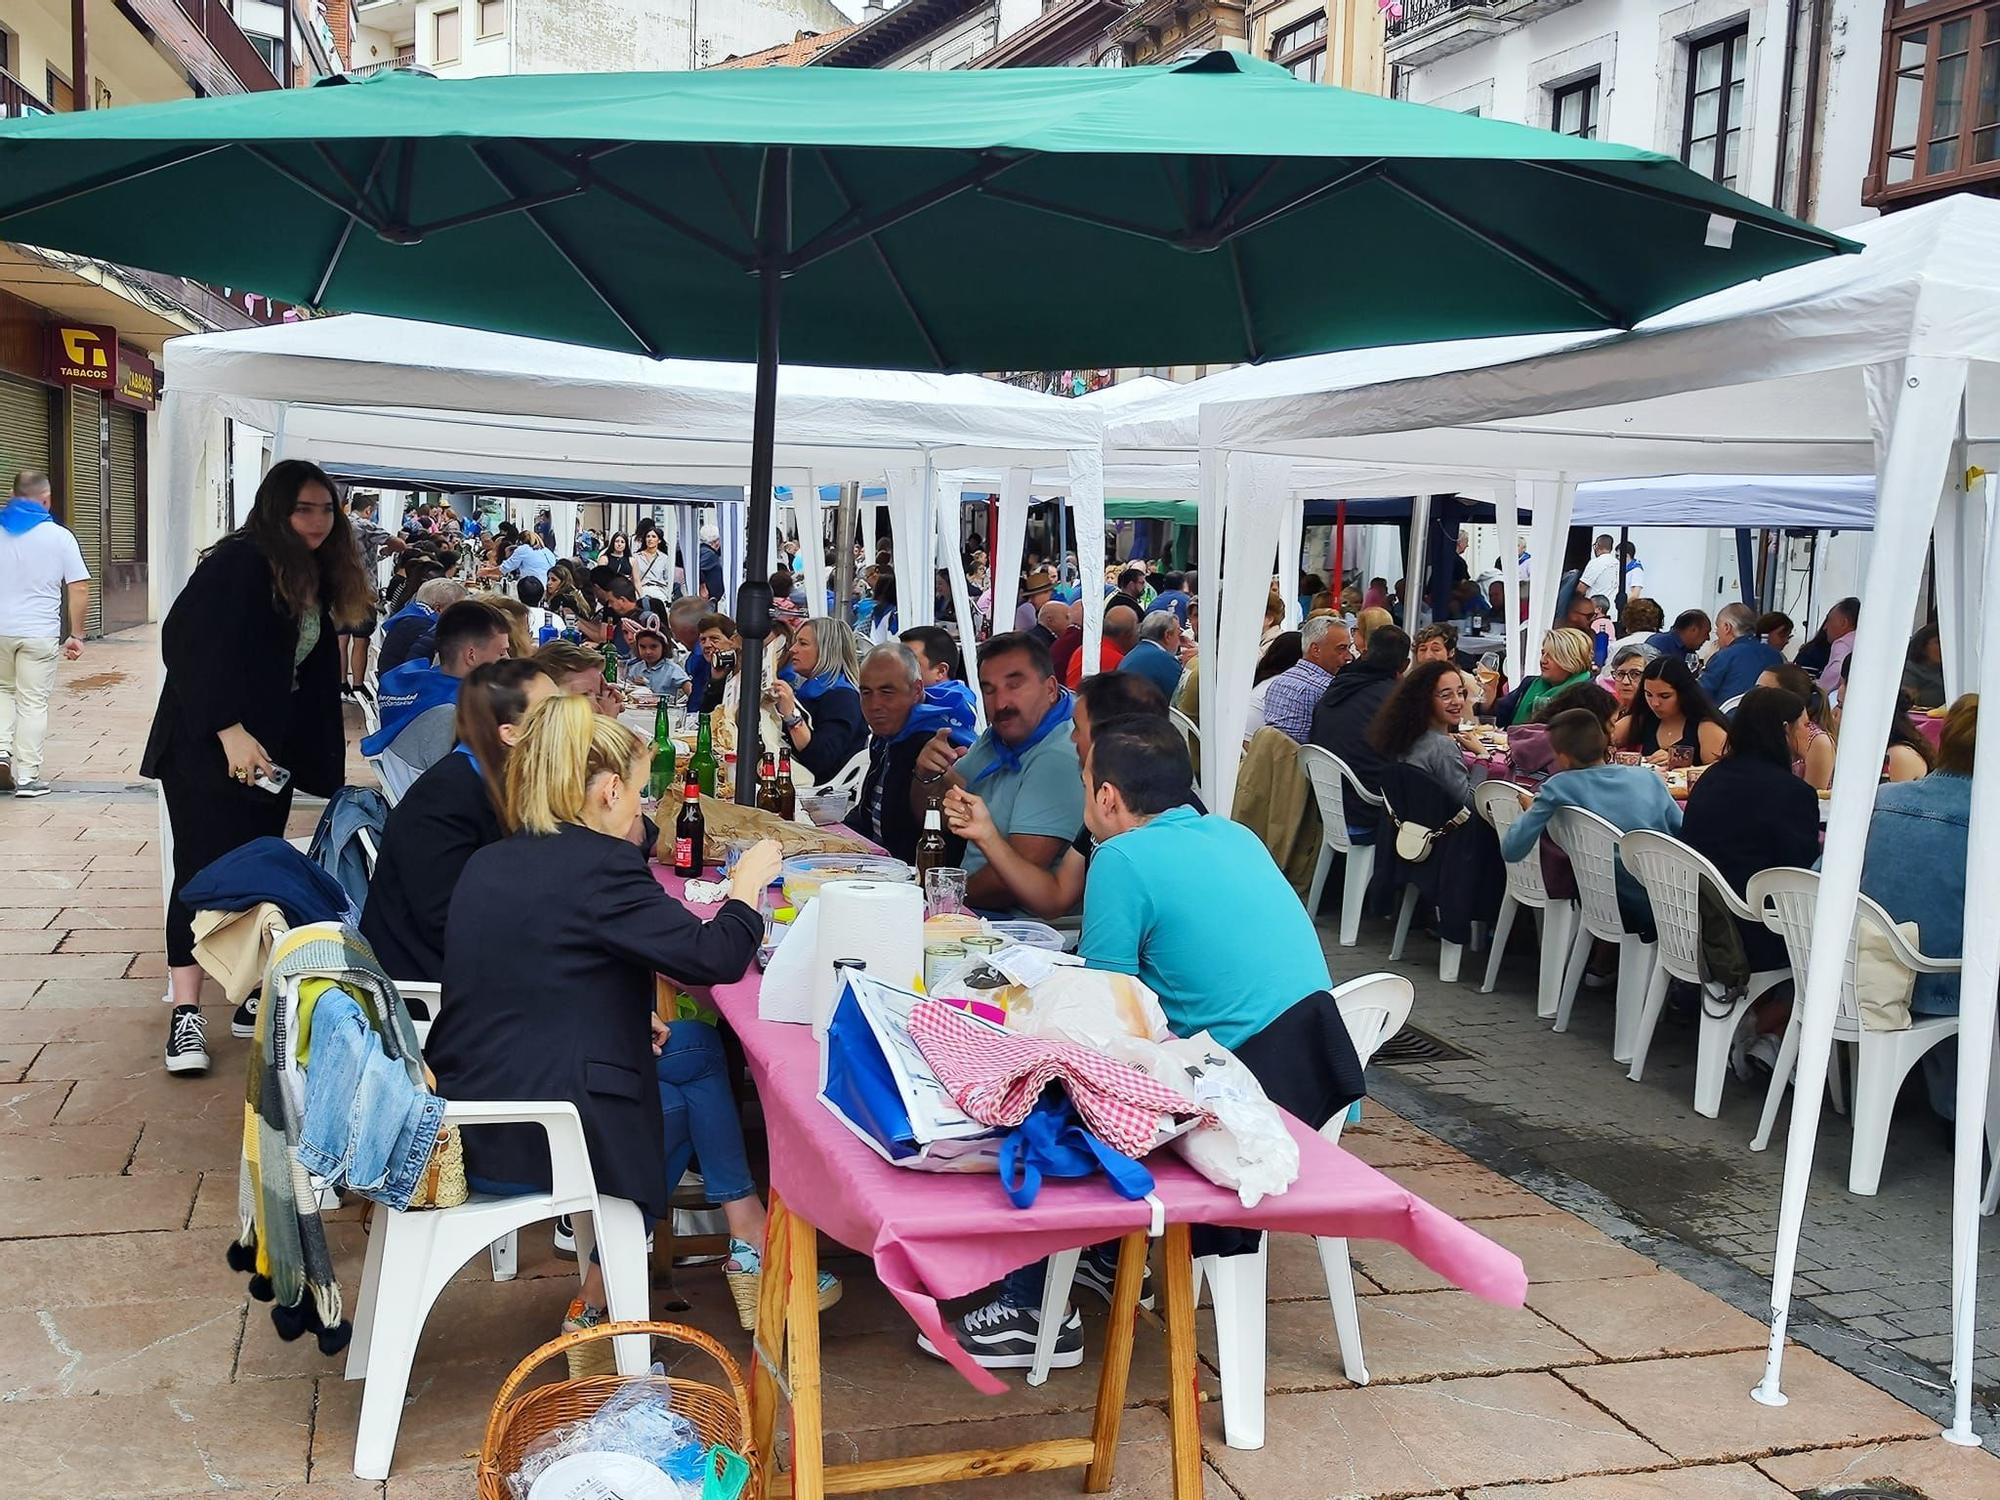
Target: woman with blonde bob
[
  {"x": 1567, "y": 659},
  {"x": 817, "y": 699},
  {"x": 567, "y": 1012}
]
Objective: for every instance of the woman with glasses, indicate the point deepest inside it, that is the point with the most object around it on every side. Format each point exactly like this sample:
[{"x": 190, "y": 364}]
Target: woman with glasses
[{"x": 1628, "y": 669}]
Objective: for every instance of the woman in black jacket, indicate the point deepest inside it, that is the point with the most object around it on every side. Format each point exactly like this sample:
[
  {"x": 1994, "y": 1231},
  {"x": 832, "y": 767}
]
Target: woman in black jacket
[
  {"x": 1749, "y": 813},
  {"x": 554, "y": 936},
  {"x": 819, "y": 705},
  {"x": 451, "y": 812},
  {"x": 252, "y": 685}
]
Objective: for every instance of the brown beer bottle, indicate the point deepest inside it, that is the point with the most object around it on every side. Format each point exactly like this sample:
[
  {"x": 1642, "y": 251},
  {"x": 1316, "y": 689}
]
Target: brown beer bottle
[
  {"x": 788, "y": 789},
  {"x": 689, "y": 832},
  {"x": 767, "y": 784},
  {"x": 930, "y": 848}
]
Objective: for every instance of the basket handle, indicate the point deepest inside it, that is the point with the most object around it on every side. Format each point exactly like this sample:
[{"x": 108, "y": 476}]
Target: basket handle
[{"x": 561, "y": 1345}]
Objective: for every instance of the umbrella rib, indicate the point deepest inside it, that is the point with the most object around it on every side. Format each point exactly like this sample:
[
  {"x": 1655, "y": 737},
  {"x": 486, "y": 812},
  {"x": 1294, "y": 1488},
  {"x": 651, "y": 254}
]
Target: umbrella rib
[
  {"x": 347, "y": 228},
  {"x": 583, "y": 174},
  {"x": 1240, "y": 200},
  {"x": 1804, "y": 233},
  {"x": 1547, "y": 270},
  {"x": 729, "y": 195},
  {"x": 844, "y": 231},
  {"x": 882, "y": 259},
  {"x": 306, "y": 184},
  {"x": 499, "y": 210},
  {"x": 557, "y": 244},
  {"x": 1310, "y": 196},
  {"x": 116, "y": 178},
  {"x": 347, "y": 178},
  {"x": 1243, "y": 303},
  {"x": 1095, "y": 221}
]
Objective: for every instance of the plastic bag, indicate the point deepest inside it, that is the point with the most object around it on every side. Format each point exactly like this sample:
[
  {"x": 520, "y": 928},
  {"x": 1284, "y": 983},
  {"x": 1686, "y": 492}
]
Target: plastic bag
[
  {"x": 1091, "y": 1007},
  {"x": 1248, "y": 1147},
  {"x": 637, "y": 1421}
]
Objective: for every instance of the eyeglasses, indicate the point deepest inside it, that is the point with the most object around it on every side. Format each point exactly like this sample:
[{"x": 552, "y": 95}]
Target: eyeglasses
[{"x": 1634, "y": 674}]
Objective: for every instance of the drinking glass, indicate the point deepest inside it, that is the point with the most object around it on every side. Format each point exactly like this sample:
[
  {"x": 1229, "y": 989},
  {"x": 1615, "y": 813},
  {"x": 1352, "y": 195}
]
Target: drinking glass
[{"x": 944, "y": 891}]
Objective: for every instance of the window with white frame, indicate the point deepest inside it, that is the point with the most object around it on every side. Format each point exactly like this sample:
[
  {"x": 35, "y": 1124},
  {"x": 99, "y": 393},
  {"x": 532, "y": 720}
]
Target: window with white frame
[
  {"x": 1300, "y": 49},
  {"x": 1712, "y": 132},
  {"x": 1573, "y": 107}
]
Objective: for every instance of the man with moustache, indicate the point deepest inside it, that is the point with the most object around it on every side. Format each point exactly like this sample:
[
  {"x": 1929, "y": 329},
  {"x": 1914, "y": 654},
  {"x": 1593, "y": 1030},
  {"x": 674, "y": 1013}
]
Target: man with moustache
[{"x": 1024, "y": 766}]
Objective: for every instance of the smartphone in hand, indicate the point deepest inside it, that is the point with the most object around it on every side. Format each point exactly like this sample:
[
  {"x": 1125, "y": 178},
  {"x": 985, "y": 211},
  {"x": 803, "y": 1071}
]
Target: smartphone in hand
[{"x": 274, "y": 783}]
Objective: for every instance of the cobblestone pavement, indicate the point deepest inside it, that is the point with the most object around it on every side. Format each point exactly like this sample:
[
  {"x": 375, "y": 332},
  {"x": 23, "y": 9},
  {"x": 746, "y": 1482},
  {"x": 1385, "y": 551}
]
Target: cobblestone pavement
[
  {"x": 1877, "y": 1269},
  {"x": 132, "y": 1363}
]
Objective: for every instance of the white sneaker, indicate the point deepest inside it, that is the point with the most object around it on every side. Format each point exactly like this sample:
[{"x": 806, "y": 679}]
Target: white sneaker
[{"x": 34, "y": 786}]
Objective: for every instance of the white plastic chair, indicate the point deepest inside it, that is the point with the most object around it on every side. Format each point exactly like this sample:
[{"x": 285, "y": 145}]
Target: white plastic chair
[
  {"x": 1188, "y": 731},
  {"x": 1591, "y": 843},
  {"x": 1499, "y": 803},
  {"x": 848, "y": 778},
  {"x": 1673, "y": 875},
  {"x": 1332, "y": 783},
  {"x": 1374, "y": 1008},
  {"x": 1784, "y": 898}
]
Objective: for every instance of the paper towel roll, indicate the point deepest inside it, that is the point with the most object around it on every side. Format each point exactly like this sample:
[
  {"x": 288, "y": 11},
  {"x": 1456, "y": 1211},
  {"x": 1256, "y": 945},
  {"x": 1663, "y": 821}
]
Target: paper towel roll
[{"x": 881, "y": 924}]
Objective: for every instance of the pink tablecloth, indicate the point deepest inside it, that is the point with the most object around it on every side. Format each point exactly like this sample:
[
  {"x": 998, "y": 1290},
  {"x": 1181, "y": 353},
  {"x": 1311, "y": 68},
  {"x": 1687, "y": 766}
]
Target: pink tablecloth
[{"x": 934, "y": 1236}]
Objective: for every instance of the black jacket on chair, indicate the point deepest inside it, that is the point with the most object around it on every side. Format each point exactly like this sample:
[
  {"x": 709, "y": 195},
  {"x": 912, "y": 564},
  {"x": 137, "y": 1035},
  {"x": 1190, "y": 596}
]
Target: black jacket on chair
[
  {"x": 1749, "y": 815},
  {"x": 228, "y": 651},
  {"x": 550, "y": 952},
  {"x": 443, "y": 820},
  {"x": 1340, "y": 723}
]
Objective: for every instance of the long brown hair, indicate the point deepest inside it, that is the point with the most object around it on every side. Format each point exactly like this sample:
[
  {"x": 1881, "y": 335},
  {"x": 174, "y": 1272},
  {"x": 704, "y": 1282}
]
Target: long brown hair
[
  {"x": 493, "y": 695},
  {"x": 301, "y": 578}
]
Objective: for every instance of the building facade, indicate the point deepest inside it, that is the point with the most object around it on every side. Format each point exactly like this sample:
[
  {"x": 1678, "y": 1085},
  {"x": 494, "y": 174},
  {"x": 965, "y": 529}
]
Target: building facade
[
  {"x": 482, "y": 38},
  {"x": 80, "y": 339}
]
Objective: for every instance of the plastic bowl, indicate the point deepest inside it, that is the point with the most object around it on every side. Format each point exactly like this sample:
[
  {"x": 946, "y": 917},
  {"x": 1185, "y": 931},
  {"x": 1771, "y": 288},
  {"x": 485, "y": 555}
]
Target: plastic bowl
[{"x": 804, "y": 874}]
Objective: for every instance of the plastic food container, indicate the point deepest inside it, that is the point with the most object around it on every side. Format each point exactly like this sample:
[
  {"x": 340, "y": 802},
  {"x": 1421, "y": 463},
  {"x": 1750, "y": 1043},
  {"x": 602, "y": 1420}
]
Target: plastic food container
[
  {"x": 804, "y": 874},
  {"x": 1029, "y": 934}
]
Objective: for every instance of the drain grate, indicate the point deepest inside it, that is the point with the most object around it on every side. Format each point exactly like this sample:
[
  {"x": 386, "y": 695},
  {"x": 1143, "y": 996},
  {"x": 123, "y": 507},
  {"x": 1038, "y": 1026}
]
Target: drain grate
[
  {"x": 1414, "y": 1045},
  {"x": 1874, "y": 1494}
]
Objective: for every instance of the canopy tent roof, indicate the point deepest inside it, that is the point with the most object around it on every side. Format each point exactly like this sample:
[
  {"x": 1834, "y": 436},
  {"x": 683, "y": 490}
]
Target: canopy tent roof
[
  {"x": 1764, "y": 378},
  {"x": 525, "y": 487},
  {"x": 408, "y": 395},
  {"x": 1845, "y": 503}
]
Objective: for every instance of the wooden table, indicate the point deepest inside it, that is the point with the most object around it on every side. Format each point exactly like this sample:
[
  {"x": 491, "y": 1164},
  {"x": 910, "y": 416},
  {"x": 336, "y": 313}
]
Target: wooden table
[{"x": 787, "y": 1339}]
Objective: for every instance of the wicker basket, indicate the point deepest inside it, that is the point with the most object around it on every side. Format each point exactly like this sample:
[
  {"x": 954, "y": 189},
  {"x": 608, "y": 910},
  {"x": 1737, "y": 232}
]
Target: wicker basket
[{"x": 520, "y": 1416}]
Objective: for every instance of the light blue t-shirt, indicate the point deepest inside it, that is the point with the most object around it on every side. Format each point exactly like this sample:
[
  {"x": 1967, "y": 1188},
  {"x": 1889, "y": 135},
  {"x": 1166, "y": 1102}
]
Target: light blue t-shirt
[
  {"x": 1194, "y": 906},
  {"x": 530, "y": 560},
  {"x": 1044, "y": 797}
]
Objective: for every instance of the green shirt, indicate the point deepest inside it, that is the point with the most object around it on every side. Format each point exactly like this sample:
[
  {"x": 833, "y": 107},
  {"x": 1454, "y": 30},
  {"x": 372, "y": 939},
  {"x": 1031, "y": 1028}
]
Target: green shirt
[{"x": 1194, "y": 906}]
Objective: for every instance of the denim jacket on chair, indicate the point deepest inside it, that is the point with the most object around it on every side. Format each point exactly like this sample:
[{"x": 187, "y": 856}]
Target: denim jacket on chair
[
  {"x": 367, "y": 1126},
  {"x": 1915, "y": 867}
]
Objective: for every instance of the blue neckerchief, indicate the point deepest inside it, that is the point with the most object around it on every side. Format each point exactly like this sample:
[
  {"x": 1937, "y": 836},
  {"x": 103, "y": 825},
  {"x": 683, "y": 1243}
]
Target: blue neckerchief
[
  {"x": 947, "y": 705},
  {"x": 466, "y": 751},
  {"x": 21, "y": 515},
  {"x": 810, "y": 689},
  {"x": 1008, "y": 757}
]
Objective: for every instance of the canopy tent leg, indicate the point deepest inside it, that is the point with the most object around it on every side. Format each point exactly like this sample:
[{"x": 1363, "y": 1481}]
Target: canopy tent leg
[
  {"x": 1086, "y": 491},
  {"x": 1507, "y": 513},
  {"x": 1213, "y": 474},
  {"x": 1413, "y": 562},
  {"x": 1978, "y": 975},
  {"x": 1259, "y": 490},
  {"x": 1956, "y": 561},
  {"x": 1291, "y": 558},
  {"x": 1339, "y": 551},
  {"x": 1008, "y": 555},
  {"x": 961, "y": 595},
  {"x": 1916, "y": 407},
  {"x": 753, "y": 594}
]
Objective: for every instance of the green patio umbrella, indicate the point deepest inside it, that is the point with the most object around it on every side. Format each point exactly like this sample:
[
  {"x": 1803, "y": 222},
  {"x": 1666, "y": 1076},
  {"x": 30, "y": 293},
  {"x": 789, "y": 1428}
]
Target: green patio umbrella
[{"x": 1209, "y": 211}]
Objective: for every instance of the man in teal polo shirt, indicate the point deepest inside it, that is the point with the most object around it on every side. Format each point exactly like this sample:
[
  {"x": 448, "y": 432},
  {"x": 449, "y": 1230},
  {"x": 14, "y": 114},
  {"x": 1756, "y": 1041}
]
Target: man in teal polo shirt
[
  {"x": 1024, "y": 766},
  {"x": 1191, "y": 903}
]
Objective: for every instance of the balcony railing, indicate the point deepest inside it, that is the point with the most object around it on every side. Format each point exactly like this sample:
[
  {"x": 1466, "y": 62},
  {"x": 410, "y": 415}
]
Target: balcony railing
[
  {"x": 237, "y": 52},
  {"x": 15, "y": 101},
  {"x": 1418, "y": 14}
]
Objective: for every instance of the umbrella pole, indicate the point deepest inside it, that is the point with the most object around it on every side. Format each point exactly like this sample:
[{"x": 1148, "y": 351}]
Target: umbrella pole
[{"x": 753, "y": 595}]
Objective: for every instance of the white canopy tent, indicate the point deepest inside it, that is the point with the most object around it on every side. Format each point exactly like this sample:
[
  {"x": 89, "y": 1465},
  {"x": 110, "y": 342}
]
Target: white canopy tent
[
  {"x": 1887, "y": 360},
  {"x": 426, "y": 397}
]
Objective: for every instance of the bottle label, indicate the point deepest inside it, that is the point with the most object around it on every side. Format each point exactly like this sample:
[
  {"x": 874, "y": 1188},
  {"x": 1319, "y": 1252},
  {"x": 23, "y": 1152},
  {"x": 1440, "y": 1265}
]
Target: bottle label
[{"x": 683, "y": 854}]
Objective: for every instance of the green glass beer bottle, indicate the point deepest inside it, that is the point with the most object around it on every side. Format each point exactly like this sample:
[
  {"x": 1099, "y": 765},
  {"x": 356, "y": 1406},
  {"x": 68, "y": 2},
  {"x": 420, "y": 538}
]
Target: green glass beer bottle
[
  {"x": 663, "y": 751},
  {"x": 701, "y": 765},
  {"x": 610, "y": 663}
]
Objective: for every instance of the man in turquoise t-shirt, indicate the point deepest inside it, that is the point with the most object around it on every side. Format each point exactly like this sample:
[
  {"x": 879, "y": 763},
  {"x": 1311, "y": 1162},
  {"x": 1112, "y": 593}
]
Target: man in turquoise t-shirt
[
  {"x": 1024, "y": 766},
  {"x": 1191, "y": 903}
]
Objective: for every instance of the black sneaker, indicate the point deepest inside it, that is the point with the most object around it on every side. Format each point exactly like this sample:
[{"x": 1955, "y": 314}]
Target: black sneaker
[
  {"x": 243, "y": 1025},
  {"x": 565, "y": 1238},
  {"x": 1000, "y": 1337},
  {"x": 1095, "y": 1274},
  {"x": 187, "y": 1041}
]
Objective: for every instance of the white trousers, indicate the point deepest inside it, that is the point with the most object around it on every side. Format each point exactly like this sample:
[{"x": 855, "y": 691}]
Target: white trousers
[{"x": 27, "y": 673}]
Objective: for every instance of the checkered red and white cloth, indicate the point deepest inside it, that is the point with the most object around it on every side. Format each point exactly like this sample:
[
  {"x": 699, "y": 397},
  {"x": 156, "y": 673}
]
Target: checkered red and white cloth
[{"x": 996, "y": 1077}]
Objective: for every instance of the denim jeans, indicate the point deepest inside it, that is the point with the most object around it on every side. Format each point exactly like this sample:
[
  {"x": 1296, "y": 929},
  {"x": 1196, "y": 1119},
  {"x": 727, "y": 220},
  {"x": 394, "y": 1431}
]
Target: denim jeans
[{"x": 701, "y": 1119}]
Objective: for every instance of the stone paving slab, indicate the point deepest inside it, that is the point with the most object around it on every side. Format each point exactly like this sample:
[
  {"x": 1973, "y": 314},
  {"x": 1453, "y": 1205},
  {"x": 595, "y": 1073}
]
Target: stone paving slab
[
  {"x": 1933, "y": 1468},
  {"x": 1723, "y": 1482},
  {"x": 1633, "y": 1317}
]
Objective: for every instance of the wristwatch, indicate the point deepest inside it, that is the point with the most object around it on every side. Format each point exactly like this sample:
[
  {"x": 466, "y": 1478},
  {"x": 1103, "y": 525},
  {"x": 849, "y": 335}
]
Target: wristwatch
[{"x": 791, "y": 723}]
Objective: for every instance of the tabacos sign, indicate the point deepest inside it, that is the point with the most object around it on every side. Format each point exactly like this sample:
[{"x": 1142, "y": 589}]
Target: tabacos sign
[{"x": 83, "y": 354}]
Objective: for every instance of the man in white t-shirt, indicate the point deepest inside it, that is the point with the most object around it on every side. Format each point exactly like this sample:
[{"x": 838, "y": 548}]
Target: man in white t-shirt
[
  {"x": 1600, "y": 574},
  {"x": 41, "y": 571}
]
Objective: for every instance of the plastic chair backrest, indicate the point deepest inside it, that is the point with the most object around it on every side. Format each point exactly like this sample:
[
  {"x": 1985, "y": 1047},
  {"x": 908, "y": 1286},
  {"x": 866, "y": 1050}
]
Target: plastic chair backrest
[
  {"x": 1783, "y": 899},
  {"x": 1591, "y": 843},
  {"x": 1672, "y": 874},
  {"x": 1499, "y": 803},
  {"x": 849, "y": 777},
  {"x": 1374, "y": 1007},
  {"x": 1333, "y": 783},
  {"x": 1185, "y": 725}
]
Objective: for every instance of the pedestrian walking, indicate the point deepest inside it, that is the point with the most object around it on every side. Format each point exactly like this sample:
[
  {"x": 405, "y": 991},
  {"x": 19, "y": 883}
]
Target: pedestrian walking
[
  {"x": 250, "y": 709},
  {"x": 41, "y": 576}
]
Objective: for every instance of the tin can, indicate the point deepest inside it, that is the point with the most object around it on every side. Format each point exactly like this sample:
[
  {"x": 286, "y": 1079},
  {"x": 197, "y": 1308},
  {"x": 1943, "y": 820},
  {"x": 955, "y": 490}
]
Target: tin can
[
  {"x": 984, "y": 943},
  {"x": 939, "y": 960}
]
